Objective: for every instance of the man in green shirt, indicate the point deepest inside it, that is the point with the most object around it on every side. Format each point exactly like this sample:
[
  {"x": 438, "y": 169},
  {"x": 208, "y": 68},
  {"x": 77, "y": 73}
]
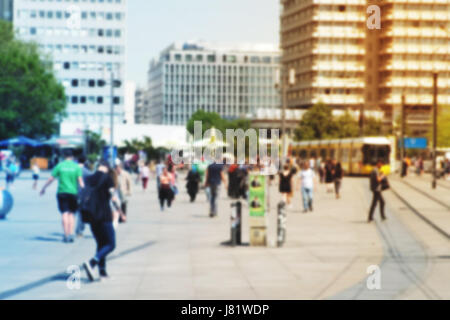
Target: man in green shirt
[{"x": 69, "y": 175}]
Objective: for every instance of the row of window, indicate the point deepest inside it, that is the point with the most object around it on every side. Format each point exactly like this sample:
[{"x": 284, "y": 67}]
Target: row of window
[
  {"x": 82, "y": 49},
  {"x": 92, "y": 100},
  {"x": 211, "y": 58},
  {"x": 217, "y": 70},
  {"x": 87, "y": 83},
  {"x": 223, "y": 99},
  {"x": 64, "y": 32},
  {"x": 59, "y": 15},
  {"x": 87, "y": 66}
]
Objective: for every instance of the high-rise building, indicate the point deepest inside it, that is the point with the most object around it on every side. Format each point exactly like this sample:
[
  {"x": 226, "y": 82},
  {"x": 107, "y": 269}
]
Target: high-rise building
[
  {"x": 231, "y": 80},
  {"x": 86, "y": 41},
  {"x": 6, "y": 10},
  {"x": 142, "y": 112},
  {"x": 345, "y": 64}
]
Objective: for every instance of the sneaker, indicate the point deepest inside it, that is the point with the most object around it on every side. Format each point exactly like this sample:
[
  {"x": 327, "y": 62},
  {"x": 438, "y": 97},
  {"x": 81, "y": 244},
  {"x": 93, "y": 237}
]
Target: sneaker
[
  {"x": 89, "y": 268},
  {"x": 66, "y": 239},
  {"x": 71, "y": 239}
]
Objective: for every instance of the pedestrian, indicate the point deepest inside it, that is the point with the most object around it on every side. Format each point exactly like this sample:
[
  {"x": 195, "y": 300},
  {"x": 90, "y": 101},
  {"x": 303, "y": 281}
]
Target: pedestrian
[
  {"x": 338, "y": 176},
  {"x": 376, "y": 186},
  {"x": 321, "y": 169},
  {"x": 285, "y": 184},
  {"x": 329, "y": 176},
  {"x": 144, "y": 175},
  {"x": 307, "y": 178},
  {"x": 159, "y": 170},
  {"x": 11, "y": 172},
  {"x": 193, "y": 181},
  {"x": 125, "y": 189},
  {"x": 85, "y": 172},
  {"x": 213, "y": 180},
  {"x": 69, "y": 176},
  {"x": 165, "y": 192},
  {"x": 36, "y": 171},
  {"x": 101, "y": 219}
]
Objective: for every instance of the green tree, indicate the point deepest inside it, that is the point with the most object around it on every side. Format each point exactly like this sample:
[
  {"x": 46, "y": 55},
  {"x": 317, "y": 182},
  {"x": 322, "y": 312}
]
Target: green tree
[
  {"x": 32, "y": 102},
  {"x": 346, "y": 126},
  {"x": 443, "y": 128},
  {"x": 208, "y": 119},
  {"x": 317, "y": 123}
]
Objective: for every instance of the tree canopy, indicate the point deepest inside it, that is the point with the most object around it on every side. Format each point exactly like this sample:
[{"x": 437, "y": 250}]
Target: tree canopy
[
  {"x": 212, "y": 119},
  {"x": 443, "y": 128},
  {"x": 32, "y": 102},
  {"x": 319, "y": 123}
]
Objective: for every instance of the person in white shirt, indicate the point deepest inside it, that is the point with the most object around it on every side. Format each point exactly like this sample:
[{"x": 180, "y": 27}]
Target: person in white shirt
[
  {"x": 144, "y": 174},
  {"x": 307, "y": 179}
]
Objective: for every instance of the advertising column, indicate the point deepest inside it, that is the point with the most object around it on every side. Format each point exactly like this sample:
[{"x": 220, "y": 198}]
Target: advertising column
[{"x": 258, "y": 206}]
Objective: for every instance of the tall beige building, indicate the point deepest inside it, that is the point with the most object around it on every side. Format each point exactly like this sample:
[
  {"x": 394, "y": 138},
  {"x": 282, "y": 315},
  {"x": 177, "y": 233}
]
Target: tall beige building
[{"x": 341, "y": 62}]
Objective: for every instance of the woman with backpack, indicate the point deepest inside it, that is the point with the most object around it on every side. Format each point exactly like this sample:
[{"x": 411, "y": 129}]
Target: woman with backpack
[{"x": 101, "y": 192}]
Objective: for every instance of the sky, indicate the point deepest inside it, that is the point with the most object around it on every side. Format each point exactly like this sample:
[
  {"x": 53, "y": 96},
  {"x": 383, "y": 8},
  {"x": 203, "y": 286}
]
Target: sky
[{"x": 155, "y": 24}]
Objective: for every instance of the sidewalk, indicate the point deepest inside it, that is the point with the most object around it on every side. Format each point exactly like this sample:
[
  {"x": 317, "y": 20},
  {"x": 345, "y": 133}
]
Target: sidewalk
[{"x": 178, "y": 254}]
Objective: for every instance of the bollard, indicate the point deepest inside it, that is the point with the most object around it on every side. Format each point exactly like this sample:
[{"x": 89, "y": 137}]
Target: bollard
[
  {"x": 281, "y": 230},
  {"x": 236, "y": 215}
]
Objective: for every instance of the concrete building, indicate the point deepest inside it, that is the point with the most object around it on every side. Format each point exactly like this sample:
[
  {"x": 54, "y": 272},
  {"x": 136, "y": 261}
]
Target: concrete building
[
  {"x": 142, "y": 112},
  {"x": 6, "y": 10},
  {"x": 343, "y": 63},
  {"x": 231, "y": 80},
  {"x": 86, "y": 41}
]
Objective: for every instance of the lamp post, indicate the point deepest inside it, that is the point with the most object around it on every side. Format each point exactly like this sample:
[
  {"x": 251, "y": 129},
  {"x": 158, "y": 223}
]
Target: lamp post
[
  {"x": 284, "y": 80},
  {"x": 435, "y": 114},
  {"x": 112, "y": 121}
]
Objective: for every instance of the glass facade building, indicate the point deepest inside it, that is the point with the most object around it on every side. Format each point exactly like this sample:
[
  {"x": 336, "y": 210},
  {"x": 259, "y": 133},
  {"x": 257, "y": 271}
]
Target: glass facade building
[
  {"x": 6, "y": 10},
  {"x": 86, "y": 42},
  {"x": 233, "y": 81}
]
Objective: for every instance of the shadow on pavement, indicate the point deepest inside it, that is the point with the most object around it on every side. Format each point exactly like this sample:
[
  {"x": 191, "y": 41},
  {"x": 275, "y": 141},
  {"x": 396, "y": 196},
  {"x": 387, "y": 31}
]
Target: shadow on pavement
[{"x": 63, "y": 276}]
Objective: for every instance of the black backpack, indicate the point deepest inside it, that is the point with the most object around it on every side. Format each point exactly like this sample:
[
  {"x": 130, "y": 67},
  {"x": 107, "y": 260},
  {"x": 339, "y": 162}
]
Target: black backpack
[{"x": 88, "y": 200}]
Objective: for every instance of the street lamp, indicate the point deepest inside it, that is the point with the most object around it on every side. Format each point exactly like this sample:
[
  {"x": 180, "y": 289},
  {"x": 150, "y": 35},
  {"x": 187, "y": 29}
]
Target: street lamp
[{"x": 283, "y": 81}]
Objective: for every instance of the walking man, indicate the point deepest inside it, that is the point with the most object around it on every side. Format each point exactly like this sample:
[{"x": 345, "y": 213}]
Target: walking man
[
  {"x": 307, "y": 177},
  {"x": 69, "y": 175},
  {"x": 376, "y": 178},
  {"x": 214, "y": 177}
]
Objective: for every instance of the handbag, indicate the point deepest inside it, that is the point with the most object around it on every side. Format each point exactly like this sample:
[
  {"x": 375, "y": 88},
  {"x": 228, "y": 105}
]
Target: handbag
[{"x": 385, "y": 184}]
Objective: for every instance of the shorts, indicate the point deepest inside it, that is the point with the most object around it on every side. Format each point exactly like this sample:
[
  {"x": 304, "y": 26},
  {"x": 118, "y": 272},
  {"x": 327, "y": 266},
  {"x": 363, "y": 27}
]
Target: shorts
[
  {"x": 67, "y": 202},
  {"x": 10, "y": 178},
  {"x": 35, "y": 177}
]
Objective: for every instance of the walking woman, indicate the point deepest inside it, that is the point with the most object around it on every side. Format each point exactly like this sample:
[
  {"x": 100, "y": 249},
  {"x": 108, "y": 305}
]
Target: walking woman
[
  {"x": 329, "y": 176},
  {"x": 165, "y": 189},
  {"x": 193, "y": 181},
  {"x": 286, "y": 183},
  {"x": 101, "y": 220},
  {"x": 338, "y": 176}
]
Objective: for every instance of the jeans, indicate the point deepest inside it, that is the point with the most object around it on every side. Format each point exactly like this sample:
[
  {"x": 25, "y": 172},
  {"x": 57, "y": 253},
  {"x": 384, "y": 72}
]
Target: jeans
[
  {"x": 214, "y": 192},
  {"x": 307, "y": 194},
  {"x": 377, "y": 197},
  {"x": 105, "y": 237}
]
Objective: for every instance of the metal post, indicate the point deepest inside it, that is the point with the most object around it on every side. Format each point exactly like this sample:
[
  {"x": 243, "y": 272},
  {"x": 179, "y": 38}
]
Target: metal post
[
  {"x": 361, "y": 121},
  {"x": 403, "y": 125},
  {"x": 435, "y": 114},
  {"x": 284, "y": 83},
  {"x": 112, "y": 121}
]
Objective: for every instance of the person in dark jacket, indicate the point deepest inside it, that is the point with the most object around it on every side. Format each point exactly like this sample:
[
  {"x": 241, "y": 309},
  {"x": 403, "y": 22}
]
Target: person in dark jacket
[
  {"x": 193, "y": 181},
  {"x": 102, "y": 223},
  {"x": 375, "y": 186},
  {"x": 338, "y": 176}
]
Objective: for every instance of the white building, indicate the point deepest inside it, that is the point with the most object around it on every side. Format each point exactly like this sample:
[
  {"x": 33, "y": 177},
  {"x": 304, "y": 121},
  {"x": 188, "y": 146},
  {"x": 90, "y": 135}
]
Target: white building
[
  {"x": 231, "y": 80},
  {"x": 86, "y": 41}
]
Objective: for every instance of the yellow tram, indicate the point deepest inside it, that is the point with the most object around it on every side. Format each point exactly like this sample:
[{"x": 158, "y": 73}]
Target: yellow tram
[{"x": 357, "y": 155}]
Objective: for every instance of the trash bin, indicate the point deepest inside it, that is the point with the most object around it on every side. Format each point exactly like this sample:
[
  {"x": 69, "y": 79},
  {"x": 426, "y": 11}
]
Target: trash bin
[
  {"x": 281, "y": 230},
  {"x": 236, "y": 219}
]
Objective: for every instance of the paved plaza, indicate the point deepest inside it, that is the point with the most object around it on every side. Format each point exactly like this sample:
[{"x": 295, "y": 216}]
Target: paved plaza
[{"x": 181, "y": 253}]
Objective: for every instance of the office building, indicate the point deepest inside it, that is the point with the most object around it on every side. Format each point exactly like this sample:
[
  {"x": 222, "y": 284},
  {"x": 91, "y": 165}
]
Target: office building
[
  {"x": 231, "y": 80},
  {"x": 86, "y": 41},
  {"x": 340, "y": 61},
  {"x": 142, "y": 112},
  {"x": 6, "y": 10}
]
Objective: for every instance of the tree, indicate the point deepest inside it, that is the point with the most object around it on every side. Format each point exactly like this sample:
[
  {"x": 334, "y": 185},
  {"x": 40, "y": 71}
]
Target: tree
[
  {"x": 443, "y": 128},
  {"x": 208, "y": 119},
  {"x": 317, "y": 123},
  {"x": 32, "y": 102}
]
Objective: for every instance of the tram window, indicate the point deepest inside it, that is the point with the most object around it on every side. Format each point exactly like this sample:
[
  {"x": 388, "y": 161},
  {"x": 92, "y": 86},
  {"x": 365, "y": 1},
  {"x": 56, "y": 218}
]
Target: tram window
[
  {"x": 323, "y": 153},
  {"x": 313, "y": 154},
  {"x": 294, "y": 153},
  {"x": 303, "y": 154},
  {"x": 371, "y": 154},
  {"x": 345, "y": 153}
]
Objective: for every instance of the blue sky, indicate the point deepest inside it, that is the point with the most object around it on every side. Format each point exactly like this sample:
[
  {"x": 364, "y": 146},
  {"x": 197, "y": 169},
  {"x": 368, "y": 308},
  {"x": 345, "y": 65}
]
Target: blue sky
[{"x": 155, "y": 24}]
